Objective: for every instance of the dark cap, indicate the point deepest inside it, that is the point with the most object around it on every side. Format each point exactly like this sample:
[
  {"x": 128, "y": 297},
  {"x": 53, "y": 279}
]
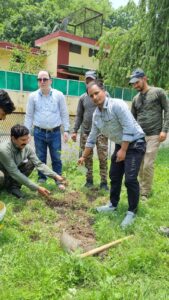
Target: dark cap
[
  {"x": 138, "y": 73},
  {"x": 90, "y": 74}
]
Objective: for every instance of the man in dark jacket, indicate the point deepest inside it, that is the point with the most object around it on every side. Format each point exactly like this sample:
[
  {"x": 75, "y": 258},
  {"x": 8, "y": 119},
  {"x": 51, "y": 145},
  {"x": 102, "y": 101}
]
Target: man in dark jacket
[{"x": 84, "y": 115}]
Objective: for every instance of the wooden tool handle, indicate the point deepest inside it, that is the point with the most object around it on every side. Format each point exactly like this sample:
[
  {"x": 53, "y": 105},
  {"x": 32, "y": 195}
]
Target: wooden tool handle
[{"x": 104, "y": 247}]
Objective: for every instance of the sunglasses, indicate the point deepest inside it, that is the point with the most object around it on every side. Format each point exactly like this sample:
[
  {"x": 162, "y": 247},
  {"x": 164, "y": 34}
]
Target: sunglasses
[{"x": 42, "y": 79}]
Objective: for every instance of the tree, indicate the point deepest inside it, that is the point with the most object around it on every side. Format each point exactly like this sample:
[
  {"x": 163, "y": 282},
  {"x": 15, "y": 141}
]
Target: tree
[
  {"x": 23, "y": 60},
  {"x": 143, "y": 45}
]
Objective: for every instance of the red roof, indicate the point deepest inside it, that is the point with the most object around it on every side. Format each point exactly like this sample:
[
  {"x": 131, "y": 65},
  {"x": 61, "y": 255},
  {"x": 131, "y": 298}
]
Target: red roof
[
  {"x": 66, "y": 36},
  {"x": 10, "y": 46}
]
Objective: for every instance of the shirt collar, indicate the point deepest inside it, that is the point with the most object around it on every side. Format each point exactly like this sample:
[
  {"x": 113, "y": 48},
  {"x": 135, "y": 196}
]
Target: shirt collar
[{"x": 41, "y": 94}]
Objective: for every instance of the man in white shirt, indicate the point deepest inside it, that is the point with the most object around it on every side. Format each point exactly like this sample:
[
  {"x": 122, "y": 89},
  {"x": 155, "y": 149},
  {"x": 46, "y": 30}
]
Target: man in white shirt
[{"x": 47, "y": 111}]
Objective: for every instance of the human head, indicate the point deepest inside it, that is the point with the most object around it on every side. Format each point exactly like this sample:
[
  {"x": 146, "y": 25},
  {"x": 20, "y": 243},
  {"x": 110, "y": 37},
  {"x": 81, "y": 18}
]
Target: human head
[
  {"x": 138, "y": 80},
  {"x": 44, "y": 81},
  {"x": 97, "y": 92},
  {"x": 6, "y": 105},
  {"x": 90, "y": 76},
  {"x": 20, "y": 136}
]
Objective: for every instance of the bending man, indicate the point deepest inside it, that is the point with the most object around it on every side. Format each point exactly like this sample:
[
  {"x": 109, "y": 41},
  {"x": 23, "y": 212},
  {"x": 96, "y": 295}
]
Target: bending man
[{"x": 113, "y": 119}]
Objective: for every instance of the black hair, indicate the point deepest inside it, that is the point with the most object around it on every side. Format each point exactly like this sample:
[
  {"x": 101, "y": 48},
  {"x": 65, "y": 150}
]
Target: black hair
[
  {"x": 97, "y": 82},
  {"x": 19, "y": 131},
  {"x": 6, "y": 103}
]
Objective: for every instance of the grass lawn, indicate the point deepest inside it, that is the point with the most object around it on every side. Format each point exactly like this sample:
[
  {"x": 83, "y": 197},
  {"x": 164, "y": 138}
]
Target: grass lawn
[{"x": 33, "y": 265}]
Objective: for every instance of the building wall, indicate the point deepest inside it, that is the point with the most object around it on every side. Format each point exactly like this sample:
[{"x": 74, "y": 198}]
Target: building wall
[
  {"x": 51, "y": 48},
  {"x": 83, "y": 60},
  {"x": 20, "y": 99},
  {"x": 4, "y": 59}
]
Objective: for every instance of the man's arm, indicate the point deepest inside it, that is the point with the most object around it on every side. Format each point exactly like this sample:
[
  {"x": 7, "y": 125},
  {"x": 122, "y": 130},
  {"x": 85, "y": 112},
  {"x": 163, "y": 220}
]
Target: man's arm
[
  {"x": 165, "y": 107},
  {"x": 133, "y": 109},
  {"x": 78, "y": 119},
  {"x": 29, "y": 112},
  {"x": 64, "y": 112}
]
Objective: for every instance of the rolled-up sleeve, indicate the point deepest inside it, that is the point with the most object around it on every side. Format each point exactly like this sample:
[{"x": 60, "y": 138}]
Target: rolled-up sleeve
[
  {"x": 91, "y": 140},
  {"x": 126, "y": 120},
  {"x": 64, "y": 112}
]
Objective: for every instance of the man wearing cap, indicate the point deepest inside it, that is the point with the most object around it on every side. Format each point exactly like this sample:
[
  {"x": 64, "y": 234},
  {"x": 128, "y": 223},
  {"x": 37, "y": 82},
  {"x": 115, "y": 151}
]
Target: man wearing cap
[
  {"x": 150, "y": 108},
  {"x": 84, "y": 115},
  {"x": 47, "y": 112}
]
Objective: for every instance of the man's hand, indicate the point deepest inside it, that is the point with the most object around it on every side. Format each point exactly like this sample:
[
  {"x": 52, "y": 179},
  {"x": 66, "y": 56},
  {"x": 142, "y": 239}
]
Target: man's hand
[
  {"x": 162, "y": 136},
  {"x": 65, "y": 136},
  {"x": 43, "y": 191},
  {"x": 121, "y": 155},
  {"x": 81, "y": 160},
  {"x": 59, "y": 178},
  {"x": 74, "y": 136}
]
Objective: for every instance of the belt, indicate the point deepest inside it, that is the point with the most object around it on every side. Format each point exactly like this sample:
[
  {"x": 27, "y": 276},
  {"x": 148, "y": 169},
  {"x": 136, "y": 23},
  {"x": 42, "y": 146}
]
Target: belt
[{"x": 49, "y": 129}]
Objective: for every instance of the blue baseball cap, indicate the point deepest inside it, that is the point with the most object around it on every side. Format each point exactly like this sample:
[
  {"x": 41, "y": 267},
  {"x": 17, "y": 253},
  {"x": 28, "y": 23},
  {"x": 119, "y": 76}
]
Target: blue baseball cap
[{"x": 136, "y": 74}]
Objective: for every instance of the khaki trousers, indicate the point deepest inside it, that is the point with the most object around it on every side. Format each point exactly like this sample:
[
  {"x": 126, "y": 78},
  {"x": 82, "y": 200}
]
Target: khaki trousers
[{"x": 147, "y": 166}]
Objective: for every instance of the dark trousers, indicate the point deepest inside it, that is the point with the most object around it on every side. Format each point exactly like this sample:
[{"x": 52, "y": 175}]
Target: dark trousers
[
  {"x": 9, "y": 182},
  {"x": 130, "y": 168}
]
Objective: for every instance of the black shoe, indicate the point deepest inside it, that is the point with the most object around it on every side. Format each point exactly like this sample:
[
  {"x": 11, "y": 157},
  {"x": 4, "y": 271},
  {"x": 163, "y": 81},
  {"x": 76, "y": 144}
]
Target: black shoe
[
  {"x": 89, "y": 183},
  {"x": 16, "y": 192},
  {"x": 104, "y": 186}
]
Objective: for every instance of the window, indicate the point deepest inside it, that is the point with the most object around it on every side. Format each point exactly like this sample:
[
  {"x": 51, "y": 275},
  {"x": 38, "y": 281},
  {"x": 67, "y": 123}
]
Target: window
[
  {"x": 92, "y": 52},
  {"x": 75, "y": 48}
]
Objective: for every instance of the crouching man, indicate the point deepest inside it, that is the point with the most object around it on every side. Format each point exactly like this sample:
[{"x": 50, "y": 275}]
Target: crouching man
[{"x": 17, "y": 161}]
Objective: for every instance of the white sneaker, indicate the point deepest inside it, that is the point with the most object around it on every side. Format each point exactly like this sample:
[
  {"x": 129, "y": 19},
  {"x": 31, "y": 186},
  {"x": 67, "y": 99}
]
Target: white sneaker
[
  {"x": 106, "y": 208},
  {"x": 129, "y": 219}
]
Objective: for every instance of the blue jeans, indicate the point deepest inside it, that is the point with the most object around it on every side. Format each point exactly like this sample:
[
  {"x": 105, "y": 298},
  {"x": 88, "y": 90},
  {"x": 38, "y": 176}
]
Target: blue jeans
[
  {"x": 130, "y": 168},
  {"x": 51, "y": 139}
]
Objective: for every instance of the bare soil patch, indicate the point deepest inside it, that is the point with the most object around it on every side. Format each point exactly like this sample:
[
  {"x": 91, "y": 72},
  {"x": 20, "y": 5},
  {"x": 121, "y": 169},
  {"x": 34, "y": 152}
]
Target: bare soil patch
[{"x": 74, "y": 218}]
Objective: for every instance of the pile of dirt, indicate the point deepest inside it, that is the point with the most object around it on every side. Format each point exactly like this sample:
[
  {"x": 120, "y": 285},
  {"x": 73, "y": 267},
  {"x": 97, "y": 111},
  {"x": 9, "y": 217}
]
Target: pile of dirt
[{"x": 74, "y": 220}]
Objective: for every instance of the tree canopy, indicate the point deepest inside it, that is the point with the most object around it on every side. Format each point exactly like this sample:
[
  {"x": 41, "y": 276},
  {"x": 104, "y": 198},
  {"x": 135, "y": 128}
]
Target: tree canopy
[
  {"x": 133, "y": 36},
  {"x": 145, "y": 45}
]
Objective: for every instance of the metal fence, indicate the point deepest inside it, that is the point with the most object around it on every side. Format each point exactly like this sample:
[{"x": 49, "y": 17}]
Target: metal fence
[{"x": 28, "y": 83}]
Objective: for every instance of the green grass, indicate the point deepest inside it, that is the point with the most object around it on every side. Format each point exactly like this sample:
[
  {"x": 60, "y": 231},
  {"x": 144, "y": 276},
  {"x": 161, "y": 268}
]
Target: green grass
[{"x": 34, "y": 266}]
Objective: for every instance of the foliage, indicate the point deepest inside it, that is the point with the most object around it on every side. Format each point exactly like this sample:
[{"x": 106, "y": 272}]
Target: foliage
[
  {"x": 26, "y": 21},
  {"x": 144, "y": 45},
  {"x": 33, "y": 266},
  {"x": 22, "y": 60},
  {"x": 124, "y": 17}
]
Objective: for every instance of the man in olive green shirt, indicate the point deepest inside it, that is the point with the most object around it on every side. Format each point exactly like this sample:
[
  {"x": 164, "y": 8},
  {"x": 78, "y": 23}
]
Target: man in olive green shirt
[
  {"x": 17, "y": 161},
  {"x": 150, "y": 108}
]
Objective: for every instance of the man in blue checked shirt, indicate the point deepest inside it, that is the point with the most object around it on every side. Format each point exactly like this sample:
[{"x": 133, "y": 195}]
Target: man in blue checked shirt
[
  {"x": 47, "y": 111},
  {"x": 113, "y": 118}
]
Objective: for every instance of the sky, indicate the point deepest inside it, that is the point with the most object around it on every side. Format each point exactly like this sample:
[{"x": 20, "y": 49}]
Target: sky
[{"x": 118, "y": 3}]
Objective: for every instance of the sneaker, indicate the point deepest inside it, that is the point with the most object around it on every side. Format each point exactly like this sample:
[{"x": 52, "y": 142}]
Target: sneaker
[
  {"x": 16, "y": 192},
  {"x": 128, "y": 220},
  {"x": 106, "y": 208},
  {"x": 41, "y": 180},
  {"x": 103, "y": 186},
  {"x": 89, "y": 183},
  {"x": 164, "y": 230}
]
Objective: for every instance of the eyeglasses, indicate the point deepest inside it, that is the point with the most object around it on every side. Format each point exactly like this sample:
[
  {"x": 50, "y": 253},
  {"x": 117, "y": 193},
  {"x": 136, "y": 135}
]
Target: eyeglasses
[{"x": 42, "y": 79}]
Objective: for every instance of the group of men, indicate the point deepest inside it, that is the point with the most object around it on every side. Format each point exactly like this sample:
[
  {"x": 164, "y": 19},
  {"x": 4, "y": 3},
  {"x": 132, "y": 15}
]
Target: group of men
[{"x": 137, "y": 135}]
